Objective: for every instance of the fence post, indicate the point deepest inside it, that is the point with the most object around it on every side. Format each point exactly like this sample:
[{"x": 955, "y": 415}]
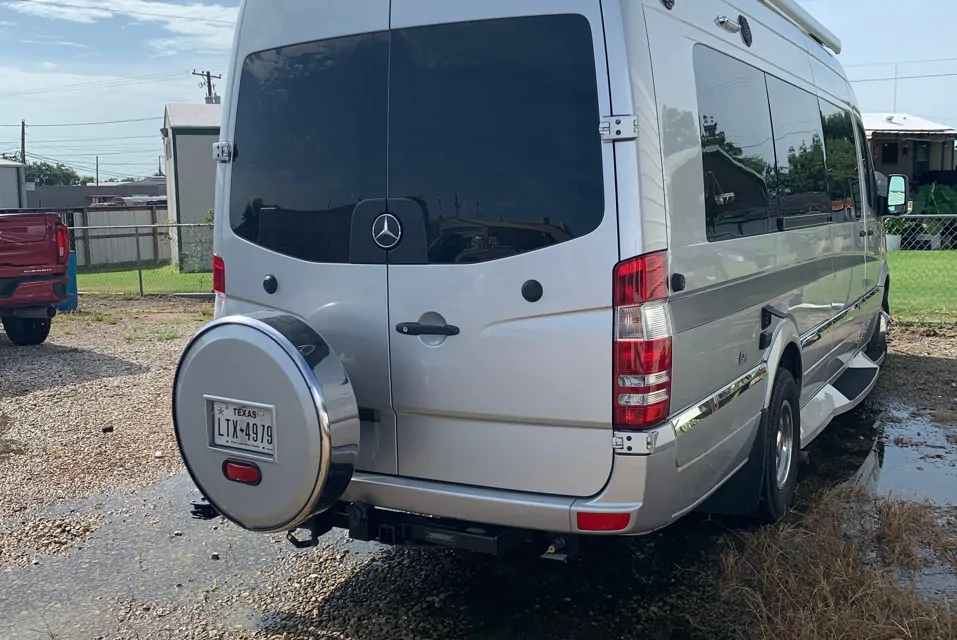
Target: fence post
[{"x": 139, "y": 262}]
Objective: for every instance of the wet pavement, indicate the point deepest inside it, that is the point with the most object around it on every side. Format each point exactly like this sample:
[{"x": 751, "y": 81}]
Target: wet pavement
[
  {"x": 154, "y": 572},
  {"x": 151, "y": 557}
]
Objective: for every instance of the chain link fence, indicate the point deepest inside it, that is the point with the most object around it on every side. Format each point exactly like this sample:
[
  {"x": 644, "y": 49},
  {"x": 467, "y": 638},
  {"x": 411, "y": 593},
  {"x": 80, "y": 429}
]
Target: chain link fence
[
  {"x": 143, "y": 259},
  {"x": 922, "y": 256},
  {"x": 174, "y": 259}
]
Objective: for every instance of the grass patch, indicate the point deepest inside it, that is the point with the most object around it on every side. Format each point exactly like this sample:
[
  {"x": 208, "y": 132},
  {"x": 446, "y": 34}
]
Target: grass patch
[
  {"x": 165, "y": 335},
  {"x": 156, "y": 280},
  {"x": 134, "y": 332},
  {"x": 850, "y": 568},
  {"x": 923, "y": 286},
  {"x": 83, "y": 316},
  {"x": 944, "y": 416}
]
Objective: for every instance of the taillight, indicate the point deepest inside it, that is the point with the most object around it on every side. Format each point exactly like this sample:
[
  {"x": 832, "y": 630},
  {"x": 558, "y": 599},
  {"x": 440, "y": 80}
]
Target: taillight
[
  {"x": 219, "y": 275},
  {"x": 62, "y": 243},
  {"x": 642, "y": 348}
]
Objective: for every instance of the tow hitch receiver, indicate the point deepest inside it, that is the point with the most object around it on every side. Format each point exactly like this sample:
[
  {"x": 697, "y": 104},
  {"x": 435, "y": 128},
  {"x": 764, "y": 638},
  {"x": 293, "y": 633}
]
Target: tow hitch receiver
[{"x": 367, "y": 523}]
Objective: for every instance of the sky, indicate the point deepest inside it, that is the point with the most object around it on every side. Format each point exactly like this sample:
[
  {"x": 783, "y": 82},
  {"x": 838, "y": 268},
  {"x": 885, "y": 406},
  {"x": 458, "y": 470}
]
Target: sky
[{"x": 81, "y": 61}]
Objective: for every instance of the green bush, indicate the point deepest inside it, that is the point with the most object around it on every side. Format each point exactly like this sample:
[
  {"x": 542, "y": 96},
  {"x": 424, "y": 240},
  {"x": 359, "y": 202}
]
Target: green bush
[{"x": 935, "y": 198}]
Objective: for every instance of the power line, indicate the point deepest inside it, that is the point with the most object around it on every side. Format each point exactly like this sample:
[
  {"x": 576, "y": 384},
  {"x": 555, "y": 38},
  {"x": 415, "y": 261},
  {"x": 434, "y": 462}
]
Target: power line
[
  {"x": 893, "y": 62},
  {"x": 927, "y": 75},
  {"x": 95, "y": 84},
  {"x": 123, "y": 12},
  {"x": 97, "y": 139},
  {"x": 79, "y": 167},
  {"x": 87, "y": 124}
]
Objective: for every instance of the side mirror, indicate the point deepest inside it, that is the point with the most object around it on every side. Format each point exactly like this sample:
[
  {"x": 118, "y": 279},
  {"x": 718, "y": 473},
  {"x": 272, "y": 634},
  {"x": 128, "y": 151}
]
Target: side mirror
[{"x": 898, "y": 195}]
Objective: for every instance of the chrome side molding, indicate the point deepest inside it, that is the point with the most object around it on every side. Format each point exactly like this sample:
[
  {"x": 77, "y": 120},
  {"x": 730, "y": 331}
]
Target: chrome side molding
[{"x": 689, "y": 419}]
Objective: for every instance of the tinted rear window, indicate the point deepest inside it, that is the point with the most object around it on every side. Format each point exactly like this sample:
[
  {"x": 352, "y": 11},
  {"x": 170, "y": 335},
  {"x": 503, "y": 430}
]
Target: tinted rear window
[
  {"x": 494, "y": 130},
  {"x": 310, "y": 143},
  {"x": 491, "y": 127}
]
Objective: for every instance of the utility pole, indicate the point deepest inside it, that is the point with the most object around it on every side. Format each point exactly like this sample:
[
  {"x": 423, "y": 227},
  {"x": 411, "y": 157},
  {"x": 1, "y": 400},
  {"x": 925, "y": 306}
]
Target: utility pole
[
  {"x": 97, "y": 170},
  {"x": 159, "y": 165},
  {"x": 895, "y": 88},
  {"x": 23, "y": 141},
  {"x": 208, "y": 78}
]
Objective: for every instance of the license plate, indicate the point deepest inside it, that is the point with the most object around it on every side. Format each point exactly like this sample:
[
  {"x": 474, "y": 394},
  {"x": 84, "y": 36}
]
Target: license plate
[{"x": 240, "y": 426}]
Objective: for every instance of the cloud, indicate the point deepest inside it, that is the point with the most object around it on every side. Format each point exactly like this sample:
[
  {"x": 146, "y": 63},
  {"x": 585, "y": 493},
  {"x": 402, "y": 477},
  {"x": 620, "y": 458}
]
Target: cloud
[
  {"x": 193, "y": 27},
  {"x": 47, "y": 43},
  {"x": 50, "y": 65},
  {"x": 7, "y": 23}
]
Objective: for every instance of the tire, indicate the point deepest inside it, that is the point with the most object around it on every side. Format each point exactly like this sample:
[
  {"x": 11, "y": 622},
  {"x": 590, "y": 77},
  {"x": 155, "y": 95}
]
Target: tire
[
  {"x": 779, "y": 480},
  {"x": 27, "y": 332}
]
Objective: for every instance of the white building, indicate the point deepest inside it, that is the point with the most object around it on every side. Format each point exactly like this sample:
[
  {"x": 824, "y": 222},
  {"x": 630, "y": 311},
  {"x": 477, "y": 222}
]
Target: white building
[
  {"x": 189, "y": 132},
  {"x": 13, "y": 190},
  {"x": 909, "y": 145}
]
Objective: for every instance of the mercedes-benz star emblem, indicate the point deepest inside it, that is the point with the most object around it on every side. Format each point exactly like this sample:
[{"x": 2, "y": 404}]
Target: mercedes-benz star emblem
[{"x": 386, "y": 231}]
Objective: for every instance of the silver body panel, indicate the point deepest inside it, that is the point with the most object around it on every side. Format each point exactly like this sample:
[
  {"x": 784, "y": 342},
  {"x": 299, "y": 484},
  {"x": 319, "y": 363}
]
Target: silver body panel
[{"x": 509, "y": 422}]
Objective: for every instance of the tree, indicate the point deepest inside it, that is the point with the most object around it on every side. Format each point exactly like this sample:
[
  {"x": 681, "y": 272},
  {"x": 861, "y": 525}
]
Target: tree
[{"x": 46, "y": 174}]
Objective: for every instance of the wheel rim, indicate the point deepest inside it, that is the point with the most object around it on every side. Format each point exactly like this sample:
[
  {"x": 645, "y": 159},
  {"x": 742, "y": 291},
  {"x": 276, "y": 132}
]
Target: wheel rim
[{"x": 784, "y": 445}]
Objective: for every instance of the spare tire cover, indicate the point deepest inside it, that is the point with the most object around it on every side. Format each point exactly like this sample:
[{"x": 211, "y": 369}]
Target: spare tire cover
[{"x": 266, "y": 389}]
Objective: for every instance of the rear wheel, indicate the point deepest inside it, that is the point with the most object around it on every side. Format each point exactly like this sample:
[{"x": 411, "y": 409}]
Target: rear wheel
[
  {"x": 779, "y": 480},
  {"x": 26, "y": 332}
]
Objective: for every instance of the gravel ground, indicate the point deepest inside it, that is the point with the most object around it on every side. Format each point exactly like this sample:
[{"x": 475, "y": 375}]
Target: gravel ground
[
  {"x": 89, "y": 409},
  {"x": 101, "y": 545}
]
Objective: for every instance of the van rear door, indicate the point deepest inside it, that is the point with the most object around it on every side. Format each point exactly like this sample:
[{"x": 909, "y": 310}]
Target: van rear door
[
  {"x": 307, "y": 177},
  {"x": 505, "y": 238}
]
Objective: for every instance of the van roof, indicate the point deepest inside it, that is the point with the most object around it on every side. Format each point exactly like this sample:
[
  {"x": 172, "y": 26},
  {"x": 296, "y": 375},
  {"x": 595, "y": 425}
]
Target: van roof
[{"x": 806, "y": 22}]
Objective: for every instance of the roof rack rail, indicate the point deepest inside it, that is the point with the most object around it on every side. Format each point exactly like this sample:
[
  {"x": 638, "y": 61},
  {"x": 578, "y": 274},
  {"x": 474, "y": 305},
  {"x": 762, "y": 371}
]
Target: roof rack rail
[{"x": 799, "y": 16}]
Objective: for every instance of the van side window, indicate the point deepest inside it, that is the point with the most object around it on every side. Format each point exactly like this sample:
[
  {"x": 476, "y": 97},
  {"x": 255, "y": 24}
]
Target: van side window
[
  {"x": 493, "y": 131},
  {"x": 310, "y": 140},
  {"x": 801, "y": 184},
  {"x": 840, "y": 150},
  {"x": 867, "y": 163},
  {"x": 737, "y": 145}
]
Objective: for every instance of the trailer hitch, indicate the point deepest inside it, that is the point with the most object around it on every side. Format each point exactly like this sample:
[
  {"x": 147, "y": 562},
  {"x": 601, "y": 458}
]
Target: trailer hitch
[
  {"x": 200, "y": 509},
  {"x": 316, "y": 526}
]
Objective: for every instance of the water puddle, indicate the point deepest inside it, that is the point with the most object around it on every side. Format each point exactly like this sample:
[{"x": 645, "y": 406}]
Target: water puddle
[{"x": 896, "y": 450}]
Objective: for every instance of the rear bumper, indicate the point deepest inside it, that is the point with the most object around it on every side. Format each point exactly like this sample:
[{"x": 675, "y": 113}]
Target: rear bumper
[
  {"x": 646, "y": 484},
  {"x": 17, "y": 293}
]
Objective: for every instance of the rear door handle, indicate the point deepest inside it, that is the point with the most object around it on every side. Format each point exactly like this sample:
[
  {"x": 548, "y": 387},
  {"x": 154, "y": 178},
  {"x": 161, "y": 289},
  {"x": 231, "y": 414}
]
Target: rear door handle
[{"x": 418, "y": 329}]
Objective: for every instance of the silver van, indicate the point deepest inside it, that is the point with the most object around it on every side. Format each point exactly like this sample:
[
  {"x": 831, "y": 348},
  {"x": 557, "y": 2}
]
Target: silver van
[{"x": 506, "y": 272}]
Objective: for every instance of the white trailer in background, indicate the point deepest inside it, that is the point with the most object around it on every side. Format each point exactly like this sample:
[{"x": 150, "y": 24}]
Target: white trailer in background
[{"x": 189, "y": 132}]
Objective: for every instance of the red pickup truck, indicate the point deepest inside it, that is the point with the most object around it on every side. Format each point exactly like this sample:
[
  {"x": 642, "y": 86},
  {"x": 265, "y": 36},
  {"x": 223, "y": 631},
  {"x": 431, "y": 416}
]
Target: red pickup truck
[{"x": 34, "y": 250}]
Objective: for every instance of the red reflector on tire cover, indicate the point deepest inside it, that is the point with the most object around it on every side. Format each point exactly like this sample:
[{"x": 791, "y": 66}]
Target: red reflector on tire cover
[{"x": 245, "y": 472}]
